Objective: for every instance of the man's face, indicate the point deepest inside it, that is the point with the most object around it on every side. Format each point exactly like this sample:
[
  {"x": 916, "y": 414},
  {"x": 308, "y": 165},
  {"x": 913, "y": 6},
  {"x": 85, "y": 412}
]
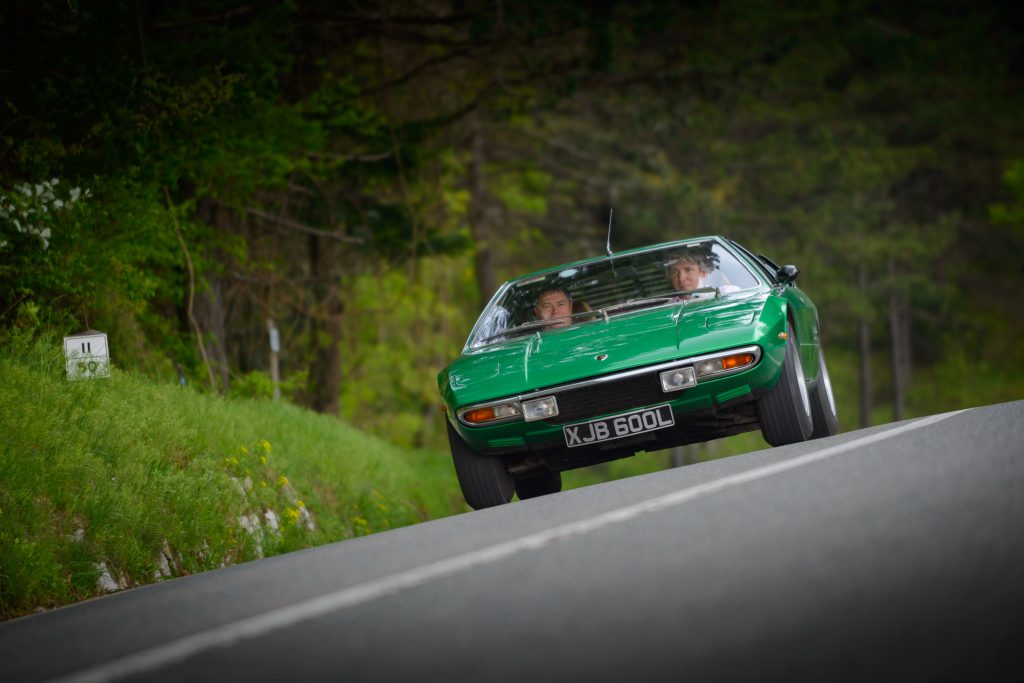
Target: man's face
[
  {"x": 685, "y": 275},
  {"x": 553, "y": 305}
]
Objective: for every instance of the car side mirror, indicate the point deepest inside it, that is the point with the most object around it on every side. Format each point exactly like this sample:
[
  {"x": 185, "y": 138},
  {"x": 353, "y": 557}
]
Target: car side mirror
[{"x": 787, "y": 275}]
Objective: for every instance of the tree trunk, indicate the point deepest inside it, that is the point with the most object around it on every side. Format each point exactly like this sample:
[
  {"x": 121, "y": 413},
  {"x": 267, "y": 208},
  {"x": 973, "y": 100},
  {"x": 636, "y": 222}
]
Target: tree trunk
[
  {"x": 478, "y": 217},
  {"x": 864, "y": 347},
  {"x": 210, "y": 311},
  {"x": 212, "y": 318},
  {"x": 899, "y": 333},
  {"x": 325, "y": 370}
]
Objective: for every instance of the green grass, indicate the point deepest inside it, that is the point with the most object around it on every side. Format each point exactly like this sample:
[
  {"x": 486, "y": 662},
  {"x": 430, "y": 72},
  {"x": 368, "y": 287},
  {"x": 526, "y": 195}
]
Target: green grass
[{"x": 149, "y": 478}]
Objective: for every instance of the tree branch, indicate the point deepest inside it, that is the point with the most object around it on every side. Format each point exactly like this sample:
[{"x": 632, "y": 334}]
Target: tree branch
[
  {"x": 195, "y": 21},
  {"x": 191, "y": 291},
  {"x": 294, "y": 225},
  {"x": 416, "y": 70}
]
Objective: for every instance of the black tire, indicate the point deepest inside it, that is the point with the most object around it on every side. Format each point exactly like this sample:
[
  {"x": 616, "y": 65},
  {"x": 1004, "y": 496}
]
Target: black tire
[
  {"x": 823, "y": 403},
  {"x": 785, "y": 411},
  {"x": 536, "y": 485},
  {"x": 483, "y": 478}
]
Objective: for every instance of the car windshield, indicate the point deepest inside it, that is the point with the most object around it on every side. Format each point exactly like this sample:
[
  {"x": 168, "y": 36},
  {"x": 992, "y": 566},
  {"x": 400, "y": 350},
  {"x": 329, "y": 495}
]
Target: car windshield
[{"x": 594, "y": 291}]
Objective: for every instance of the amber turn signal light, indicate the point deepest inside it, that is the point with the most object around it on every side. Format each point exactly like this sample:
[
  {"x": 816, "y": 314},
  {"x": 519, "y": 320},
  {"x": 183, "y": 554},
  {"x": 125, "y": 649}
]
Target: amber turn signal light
[
  {"x": 737, "y": 361},
  {"x": 496, "y": 411},
  {"x": 479, "y": 415}
]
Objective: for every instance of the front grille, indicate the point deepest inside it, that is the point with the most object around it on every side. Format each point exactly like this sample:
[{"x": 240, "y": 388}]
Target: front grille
[{"x": 608, "y": 397}]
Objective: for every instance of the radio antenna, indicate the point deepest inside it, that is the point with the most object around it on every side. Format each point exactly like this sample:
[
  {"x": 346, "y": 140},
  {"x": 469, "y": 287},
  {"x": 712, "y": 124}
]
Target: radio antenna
[{"x": 608, "y": 245}]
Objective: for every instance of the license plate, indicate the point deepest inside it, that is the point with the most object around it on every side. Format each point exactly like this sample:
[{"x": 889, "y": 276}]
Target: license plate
[{"x": 618, "y": 426}]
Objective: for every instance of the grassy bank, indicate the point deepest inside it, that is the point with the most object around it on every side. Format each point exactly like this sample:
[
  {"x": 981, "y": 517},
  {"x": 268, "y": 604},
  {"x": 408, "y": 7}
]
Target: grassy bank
[{"x": 118, "y": 482}]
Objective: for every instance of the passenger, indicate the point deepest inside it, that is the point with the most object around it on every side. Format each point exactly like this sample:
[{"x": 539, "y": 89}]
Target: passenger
[
  {"x": 555, "y": 305},
  {"x": 686, "y": 270}
]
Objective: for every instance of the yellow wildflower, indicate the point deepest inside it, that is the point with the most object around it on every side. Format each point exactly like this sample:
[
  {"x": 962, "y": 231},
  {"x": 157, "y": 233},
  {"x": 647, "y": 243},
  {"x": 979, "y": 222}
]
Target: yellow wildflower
[
  {"x": 266, "y": 445},
  {"x": 263, "y": 459},
  {"x": 243, "y": 449},
  {"x": 293, "y": 515},
  {"x": 282, "y": 480},
  {"x": 300, "y": 503}
]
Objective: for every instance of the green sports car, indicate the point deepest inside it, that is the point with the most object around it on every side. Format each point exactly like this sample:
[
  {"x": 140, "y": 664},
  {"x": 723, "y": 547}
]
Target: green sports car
[{"x": 640, "y": 350}]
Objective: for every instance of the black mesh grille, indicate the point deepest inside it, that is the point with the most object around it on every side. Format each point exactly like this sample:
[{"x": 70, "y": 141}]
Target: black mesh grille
[{"x": 608, "y": 397}]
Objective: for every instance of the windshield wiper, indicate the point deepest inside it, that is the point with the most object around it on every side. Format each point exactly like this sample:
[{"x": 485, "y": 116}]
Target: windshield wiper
[
  {"x": 535, "y": 324},
  {"x": 524, "y": 327},
  {"x": 700, "y": 290},
  {"x": 664, "y": 298}
]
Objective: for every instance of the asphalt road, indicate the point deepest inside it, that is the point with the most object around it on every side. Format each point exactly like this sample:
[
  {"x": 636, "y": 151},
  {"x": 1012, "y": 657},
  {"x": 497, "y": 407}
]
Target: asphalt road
[{"x": 893, "y": 553}]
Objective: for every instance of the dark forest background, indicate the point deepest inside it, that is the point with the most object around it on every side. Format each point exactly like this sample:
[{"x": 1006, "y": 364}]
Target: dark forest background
[{"x": 364, "y": 174}]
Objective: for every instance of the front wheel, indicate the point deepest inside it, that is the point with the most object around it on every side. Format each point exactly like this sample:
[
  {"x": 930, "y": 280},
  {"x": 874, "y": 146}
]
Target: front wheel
[
  {"x": 785, "y": 411},
  {"x": 823, "y": 403},
  {"x": 483, "y": 478}
]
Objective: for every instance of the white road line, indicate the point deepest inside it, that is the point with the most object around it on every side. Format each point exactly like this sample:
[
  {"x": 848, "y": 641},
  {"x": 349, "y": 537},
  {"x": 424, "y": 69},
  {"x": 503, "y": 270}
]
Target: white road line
[{"x": 262, "y": 624}]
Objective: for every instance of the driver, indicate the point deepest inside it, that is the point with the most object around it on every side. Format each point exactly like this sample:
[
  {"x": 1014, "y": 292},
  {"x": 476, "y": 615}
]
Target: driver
[{"x": 555, "y": 305}]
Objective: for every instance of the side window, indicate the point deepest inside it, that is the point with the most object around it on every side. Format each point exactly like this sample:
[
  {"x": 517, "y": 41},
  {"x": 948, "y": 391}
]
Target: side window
[
  {"x": 730, "y": 273},
  {"x": 759, "y": 261}
]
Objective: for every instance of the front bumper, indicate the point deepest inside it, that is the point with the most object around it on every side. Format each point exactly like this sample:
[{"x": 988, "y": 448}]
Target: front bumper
[{"x": 715, "y": 407}]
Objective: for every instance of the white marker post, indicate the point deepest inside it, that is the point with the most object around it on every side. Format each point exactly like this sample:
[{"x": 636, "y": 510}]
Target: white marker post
[
  {"x": 87, "y": 355},
  {"x": 275, "y": 349}
]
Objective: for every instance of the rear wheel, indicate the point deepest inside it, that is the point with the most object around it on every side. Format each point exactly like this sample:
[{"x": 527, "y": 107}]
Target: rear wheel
[
  {"x": 785, "y": 412},
  {"x": 483, "y": 478},
  {"x": 538, "y": 484},
  {"x": 823, "y": 403}
]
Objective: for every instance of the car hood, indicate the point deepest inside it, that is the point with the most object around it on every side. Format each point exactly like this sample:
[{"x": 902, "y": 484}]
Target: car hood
[{"x": 628, "y": 340}]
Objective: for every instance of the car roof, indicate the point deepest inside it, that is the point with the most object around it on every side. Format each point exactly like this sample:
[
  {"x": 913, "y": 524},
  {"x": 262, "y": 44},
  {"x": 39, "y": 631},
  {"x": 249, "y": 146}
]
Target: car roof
[{"x": 617, "y": 254}]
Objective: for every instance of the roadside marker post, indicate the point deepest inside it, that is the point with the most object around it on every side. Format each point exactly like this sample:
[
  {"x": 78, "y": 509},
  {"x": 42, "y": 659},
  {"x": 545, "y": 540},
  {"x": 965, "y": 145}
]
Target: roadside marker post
[
  {"x": 275, "y": 350},
  {"x": 87, "y": 355}
]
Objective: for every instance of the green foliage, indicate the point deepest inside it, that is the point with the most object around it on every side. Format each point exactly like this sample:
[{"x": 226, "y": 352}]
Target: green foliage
[
  {"x": 1012, "y": 214},
  {"x": 524, "y": 192},
  {"x": 405, "y": 329},
  {"x": 258, "y": 385},
  {"x": 110, "y": 250}
]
